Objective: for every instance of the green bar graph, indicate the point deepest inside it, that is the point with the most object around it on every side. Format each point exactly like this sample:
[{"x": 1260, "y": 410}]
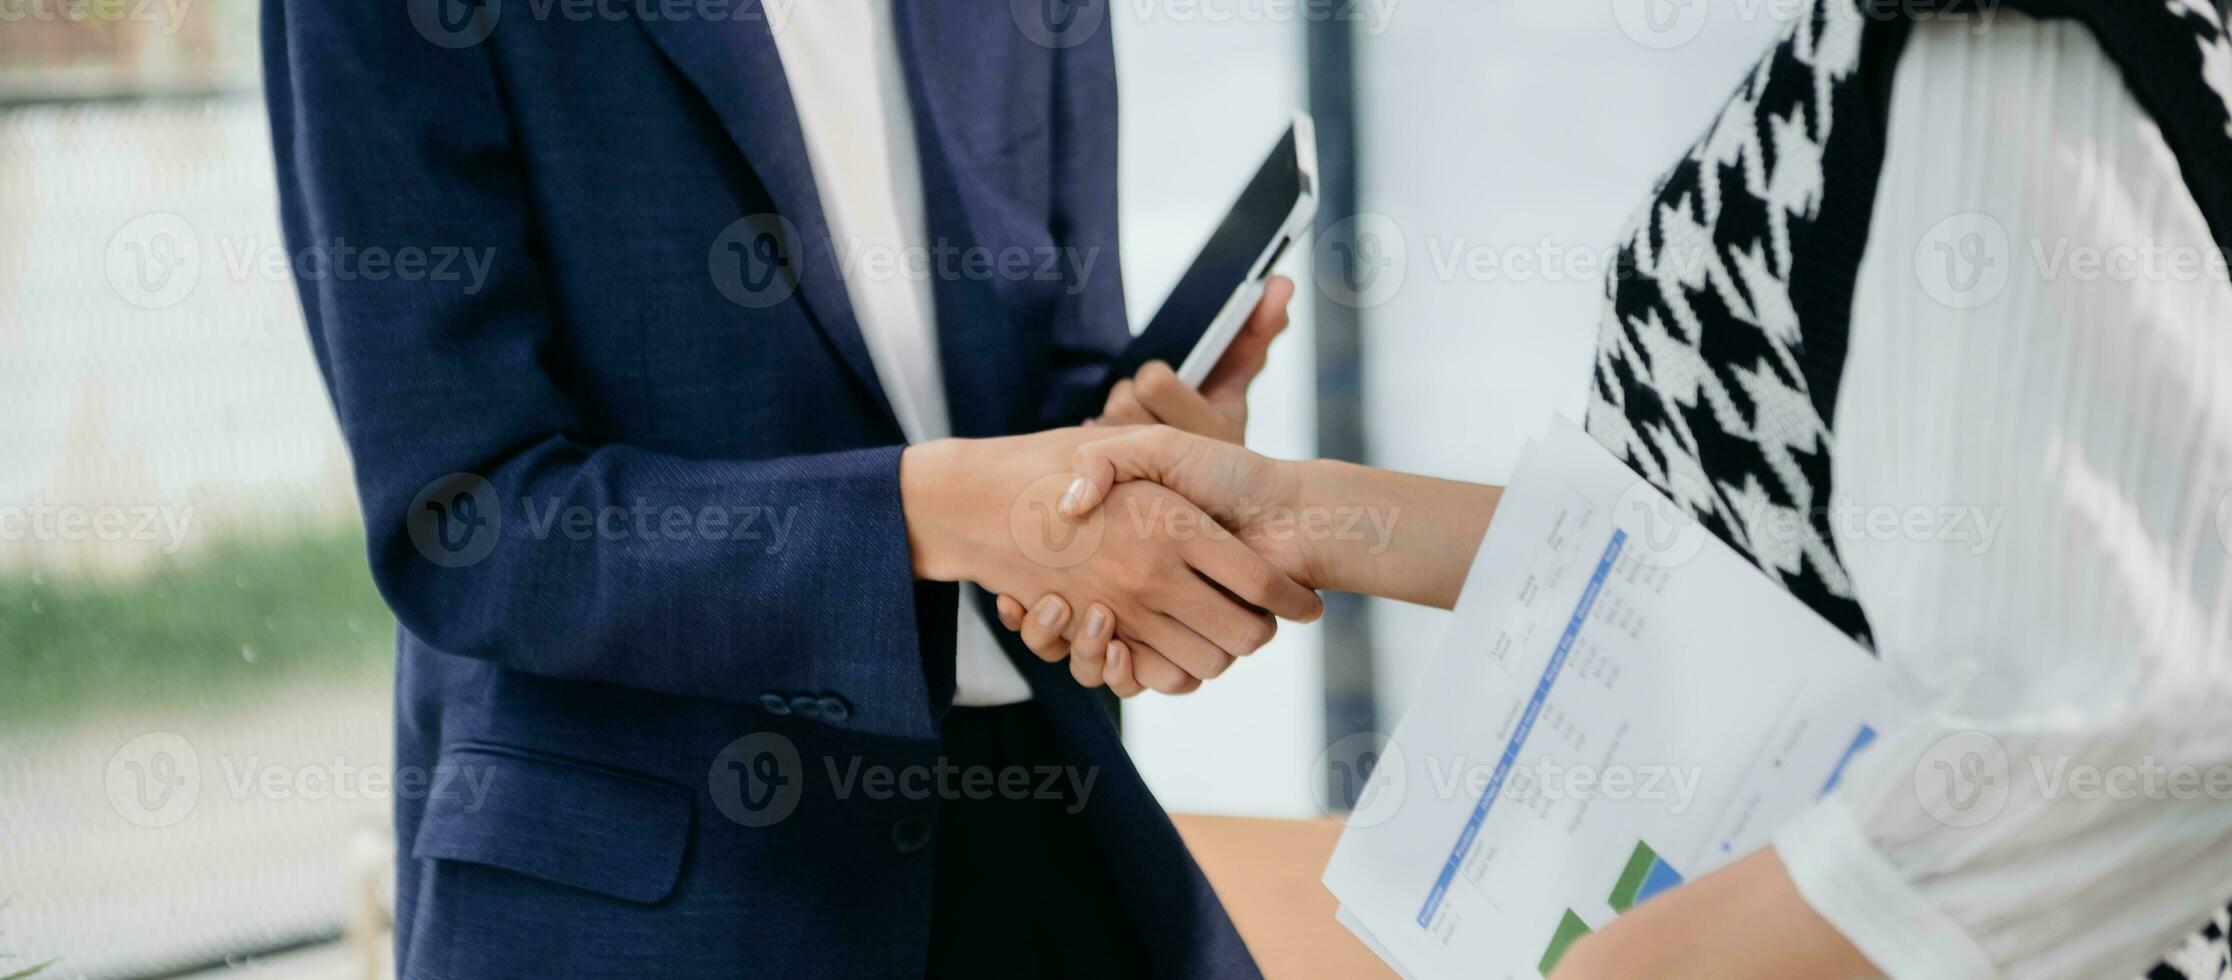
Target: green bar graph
[
  {"x": 1570, "y": 931},
  {"x": 1631, "y": 877},
  {"x": 1646, "y": 875}
]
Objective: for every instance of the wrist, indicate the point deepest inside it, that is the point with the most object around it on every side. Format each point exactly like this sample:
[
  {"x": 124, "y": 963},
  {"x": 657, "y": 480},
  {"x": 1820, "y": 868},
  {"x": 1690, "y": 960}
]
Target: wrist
[
  {"x": 932, "y": 498},
  {"x": 1320, "y": 487},
  {"x": 1415, "y": 535}
]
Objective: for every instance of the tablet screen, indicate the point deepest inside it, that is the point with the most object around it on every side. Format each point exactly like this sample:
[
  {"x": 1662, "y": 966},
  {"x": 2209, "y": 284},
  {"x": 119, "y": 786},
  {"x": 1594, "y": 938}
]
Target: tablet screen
[{"x": 1223, "y": 264}]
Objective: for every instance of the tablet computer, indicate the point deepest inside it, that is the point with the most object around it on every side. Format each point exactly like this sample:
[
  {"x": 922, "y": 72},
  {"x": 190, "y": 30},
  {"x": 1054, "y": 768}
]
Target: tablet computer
[{"x": 1205, "y": 311}]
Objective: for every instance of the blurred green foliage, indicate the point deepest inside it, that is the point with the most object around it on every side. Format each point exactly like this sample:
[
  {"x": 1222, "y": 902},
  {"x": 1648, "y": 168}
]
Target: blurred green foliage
[{"x": 235, "y": 619}]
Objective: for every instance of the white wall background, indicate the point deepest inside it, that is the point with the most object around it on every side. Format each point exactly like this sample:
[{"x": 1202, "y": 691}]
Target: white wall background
[
  {"x": 1529, "y": 128},
  {"x": 1203, "y": 102}
]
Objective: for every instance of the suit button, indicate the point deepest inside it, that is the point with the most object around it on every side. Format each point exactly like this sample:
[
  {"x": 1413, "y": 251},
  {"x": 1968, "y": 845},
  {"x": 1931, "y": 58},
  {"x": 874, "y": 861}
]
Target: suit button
[
  {"x": 834, "y": 708},
  {"x": 806, "y": 705},
  {"x": 774, "y": 704},
  {"x": 910, "y": 833}
]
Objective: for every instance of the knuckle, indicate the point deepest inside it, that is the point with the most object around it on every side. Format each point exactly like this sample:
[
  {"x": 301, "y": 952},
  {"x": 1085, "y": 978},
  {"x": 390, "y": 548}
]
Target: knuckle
[
  {"x": 1215, "y": 667},
  {"x": 1159, "y": 674},
  {"x": 1084, "y": 458},
  {"x": 1157, "y": 380},
  {"x": 1258, "y": 634},
  {"x": 1134, "y": 577},
  {"x": 1260, "y": 580},
  {"x": 1163, "y": 438}
]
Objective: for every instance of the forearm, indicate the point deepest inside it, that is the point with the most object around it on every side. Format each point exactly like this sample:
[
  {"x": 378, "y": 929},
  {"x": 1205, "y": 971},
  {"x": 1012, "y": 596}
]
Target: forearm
[
  {"x": 625, "y": 566},
  {"x": 1422, "y": 531},
  {"x": 1744, "y": 921}
]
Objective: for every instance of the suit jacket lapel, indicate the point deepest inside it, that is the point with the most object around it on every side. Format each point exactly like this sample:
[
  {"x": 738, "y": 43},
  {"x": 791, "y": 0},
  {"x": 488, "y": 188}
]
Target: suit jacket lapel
[
  {"x": 986, "y": 372},
  {"x": 735, "y": 65}
]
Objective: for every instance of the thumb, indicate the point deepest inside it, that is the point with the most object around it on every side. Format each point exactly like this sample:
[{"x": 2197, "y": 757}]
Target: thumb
[
  {"x": 1142, "y": 454},
  {"x": 1251, "y": 348}
]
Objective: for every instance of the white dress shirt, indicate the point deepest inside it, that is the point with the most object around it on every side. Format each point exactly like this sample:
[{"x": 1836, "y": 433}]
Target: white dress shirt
[
  {"x": 2078, "y": 394},
  {"x": 842, "y": 60}
]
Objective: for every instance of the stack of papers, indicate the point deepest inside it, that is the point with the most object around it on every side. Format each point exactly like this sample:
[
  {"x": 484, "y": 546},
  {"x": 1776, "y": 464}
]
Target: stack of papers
[{"x": 1621, "y": 703}]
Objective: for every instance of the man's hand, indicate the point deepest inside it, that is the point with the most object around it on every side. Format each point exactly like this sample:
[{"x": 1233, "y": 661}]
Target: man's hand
[
  {"x": 1220, "y": 409},
  {"x": 1189, "y": 597}
]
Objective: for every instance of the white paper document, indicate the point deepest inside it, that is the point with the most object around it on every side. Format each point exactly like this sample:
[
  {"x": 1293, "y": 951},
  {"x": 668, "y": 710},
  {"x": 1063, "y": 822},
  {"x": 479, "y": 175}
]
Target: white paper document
[{"x": 1621, "y": 703}]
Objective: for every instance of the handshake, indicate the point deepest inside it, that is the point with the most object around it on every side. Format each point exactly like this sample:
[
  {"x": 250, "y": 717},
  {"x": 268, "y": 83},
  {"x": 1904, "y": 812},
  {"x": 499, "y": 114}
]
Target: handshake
[
  {"x": 1119, "y": 544},
  {"x": 1151, "y": 550}
]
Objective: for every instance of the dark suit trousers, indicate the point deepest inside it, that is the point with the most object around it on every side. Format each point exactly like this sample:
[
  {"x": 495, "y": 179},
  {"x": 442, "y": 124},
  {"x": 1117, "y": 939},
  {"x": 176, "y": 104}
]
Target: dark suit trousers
[{"x": 1021, "y": 888}]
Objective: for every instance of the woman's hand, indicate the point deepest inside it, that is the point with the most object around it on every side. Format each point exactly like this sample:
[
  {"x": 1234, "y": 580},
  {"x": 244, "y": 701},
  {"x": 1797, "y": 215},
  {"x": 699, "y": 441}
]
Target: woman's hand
[
  {"x": 1258, "y": 499},
  {"x": 1156, "y": 395}
]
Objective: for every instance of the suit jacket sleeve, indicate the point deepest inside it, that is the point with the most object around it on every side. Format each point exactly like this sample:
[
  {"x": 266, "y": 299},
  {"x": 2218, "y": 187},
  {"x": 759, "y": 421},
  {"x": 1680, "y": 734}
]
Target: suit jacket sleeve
[{"x": 499, "y": 525}]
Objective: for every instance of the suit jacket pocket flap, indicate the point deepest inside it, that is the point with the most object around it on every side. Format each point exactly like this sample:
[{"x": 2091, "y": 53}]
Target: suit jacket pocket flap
[{"x": 558, "y": 820}]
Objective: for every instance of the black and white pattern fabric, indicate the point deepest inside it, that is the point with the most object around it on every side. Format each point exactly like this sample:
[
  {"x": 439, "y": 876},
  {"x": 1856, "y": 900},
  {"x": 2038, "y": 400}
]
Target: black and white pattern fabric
[
  {"x": 1716, "y": 357},
  {"x": 1728, "y": 305},
  {"x": 2205, "y": 954}
]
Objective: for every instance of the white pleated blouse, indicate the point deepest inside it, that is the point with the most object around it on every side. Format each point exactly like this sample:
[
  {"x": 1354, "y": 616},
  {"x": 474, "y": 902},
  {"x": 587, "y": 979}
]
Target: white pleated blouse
[{"x": 2036, "y": 419}]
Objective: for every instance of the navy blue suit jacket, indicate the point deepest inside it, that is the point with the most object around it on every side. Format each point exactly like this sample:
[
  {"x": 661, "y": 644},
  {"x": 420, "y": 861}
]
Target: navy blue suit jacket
[{"x": 573, "y": 463}]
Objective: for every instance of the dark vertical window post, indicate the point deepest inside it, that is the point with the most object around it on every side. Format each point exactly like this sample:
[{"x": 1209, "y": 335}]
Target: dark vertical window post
[{"x": 1350, "y": 708}]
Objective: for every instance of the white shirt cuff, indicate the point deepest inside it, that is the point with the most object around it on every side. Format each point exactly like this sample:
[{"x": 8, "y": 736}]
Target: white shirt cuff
[{"x": 1843, "y": 877}]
